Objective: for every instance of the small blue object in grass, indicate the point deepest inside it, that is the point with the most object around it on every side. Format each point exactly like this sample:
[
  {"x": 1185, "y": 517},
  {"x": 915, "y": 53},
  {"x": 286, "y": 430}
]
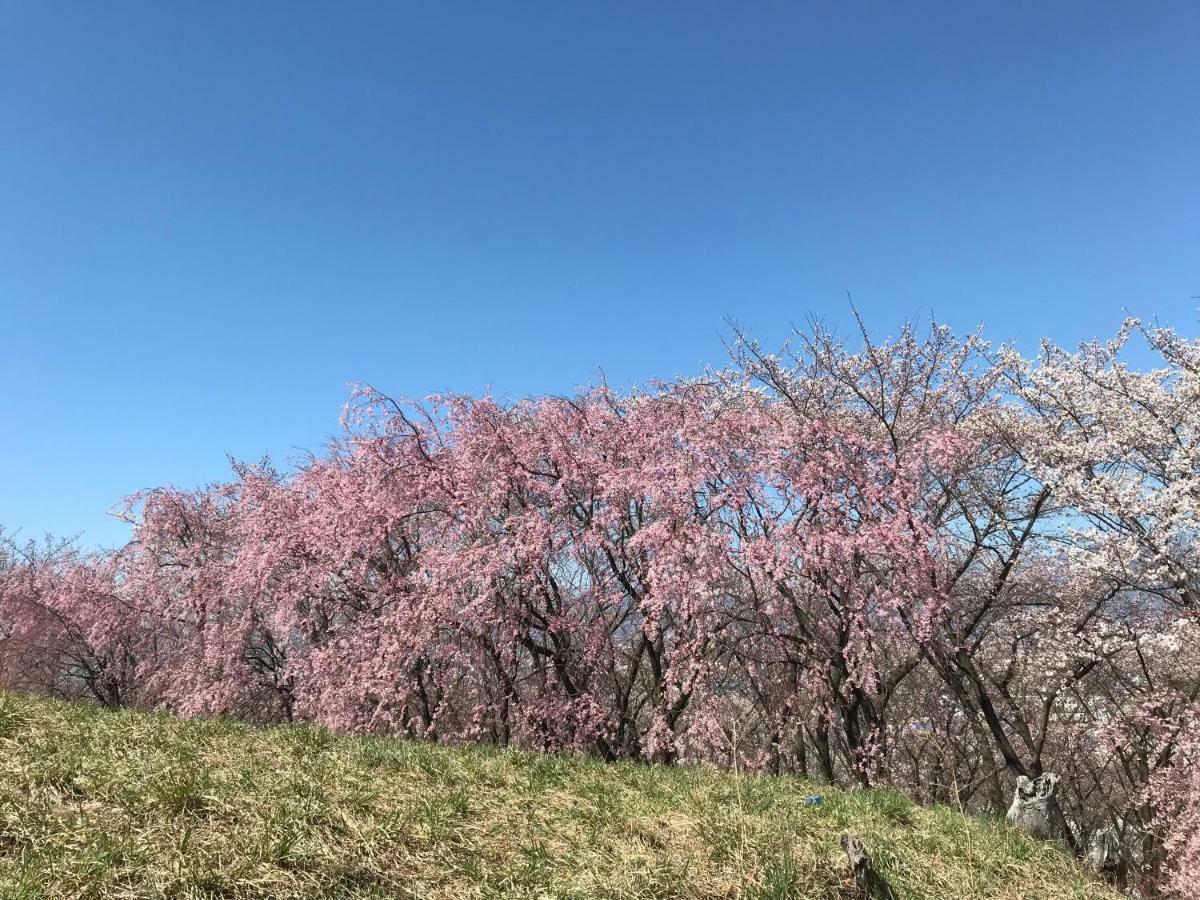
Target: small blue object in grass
[{"x": 814, "y": 800}]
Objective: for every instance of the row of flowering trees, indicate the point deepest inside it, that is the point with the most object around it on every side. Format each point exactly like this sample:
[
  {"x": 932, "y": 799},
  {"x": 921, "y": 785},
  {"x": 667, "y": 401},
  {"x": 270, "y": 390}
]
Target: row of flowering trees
[{"x": 922, "y": 562}]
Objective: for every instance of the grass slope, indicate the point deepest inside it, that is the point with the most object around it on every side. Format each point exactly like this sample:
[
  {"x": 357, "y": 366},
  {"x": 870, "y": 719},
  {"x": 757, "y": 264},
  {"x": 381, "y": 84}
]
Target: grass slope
[{"x": 127, "y": 805}]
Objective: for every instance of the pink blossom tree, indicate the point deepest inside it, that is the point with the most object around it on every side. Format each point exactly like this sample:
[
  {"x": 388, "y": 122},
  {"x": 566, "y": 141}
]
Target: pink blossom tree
[
  {"x": 64, "y": 628},
  {"x": 921, "y": 561}
]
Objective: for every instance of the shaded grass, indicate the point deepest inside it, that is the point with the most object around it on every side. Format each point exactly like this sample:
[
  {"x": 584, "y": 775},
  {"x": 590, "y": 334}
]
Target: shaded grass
[{"x": 96, "y": 804}]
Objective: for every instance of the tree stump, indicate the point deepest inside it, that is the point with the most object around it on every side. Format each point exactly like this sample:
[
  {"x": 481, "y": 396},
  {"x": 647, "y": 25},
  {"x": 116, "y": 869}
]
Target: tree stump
[
  {"x": 869, "y": 881},
  {"x": 1035, "y": 810}
]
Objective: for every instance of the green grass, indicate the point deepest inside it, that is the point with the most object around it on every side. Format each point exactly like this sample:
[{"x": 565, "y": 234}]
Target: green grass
[{"x": 95, "y": 804}]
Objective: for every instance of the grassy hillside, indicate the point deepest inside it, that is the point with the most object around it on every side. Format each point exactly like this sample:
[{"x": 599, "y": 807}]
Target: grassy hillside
[{"x": 124, "y": 805}]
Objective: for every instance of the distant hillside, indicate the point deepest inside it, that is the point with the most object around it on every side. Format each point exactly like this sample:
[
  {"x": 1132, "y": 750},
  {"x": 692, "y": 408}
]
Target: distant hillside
[{"x": 96, "y": 804}]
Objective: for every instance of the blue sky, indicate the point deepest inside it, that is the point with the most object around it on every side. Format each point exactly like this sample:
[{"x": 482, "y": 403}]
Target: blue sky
[{"x": 213, "y": 216}]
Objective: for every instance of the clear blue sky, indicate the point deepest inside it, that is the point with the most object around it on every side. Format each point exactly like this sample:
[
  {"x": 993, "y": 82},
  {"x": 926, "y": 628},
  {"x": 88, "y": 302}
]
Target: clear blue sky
[{"x": 215, "y": 215}]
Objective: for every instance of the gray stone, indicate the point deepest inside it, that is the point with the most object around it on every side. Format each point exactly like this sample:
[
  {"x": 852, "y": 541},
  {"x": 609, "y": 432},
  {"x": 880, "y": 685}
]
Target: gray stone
[
  {"x": 1035, "y": 809},
  {"x": 869, "y": 881},
  {"x": 1104, "y": 851}
]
